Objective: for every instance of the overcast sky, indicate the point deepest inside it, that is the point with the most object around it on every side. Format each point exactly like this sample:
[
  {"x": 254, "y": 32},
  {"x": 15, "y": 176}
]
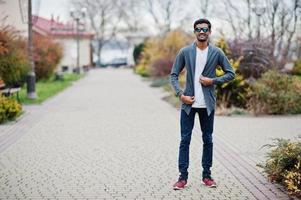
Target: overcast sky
[
  {"x": 61, "y": 8},
  {"x": 45, "y": 8}
]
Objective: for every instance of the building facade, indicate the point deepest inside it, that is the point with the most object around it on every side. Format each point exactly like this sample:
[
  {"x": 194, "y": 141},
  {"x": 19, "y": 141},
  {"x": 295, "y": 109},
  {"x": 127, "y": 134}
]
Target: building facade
[
  {"x": 67, "y": 36},
  {"x": 14, "y": 13}
]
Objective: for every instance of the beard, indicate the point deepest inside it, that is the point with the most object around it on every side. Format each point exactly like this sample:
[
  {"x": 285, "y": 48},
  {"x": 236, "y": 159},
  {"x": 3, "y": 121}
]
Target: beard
[{"x": 202, "y": 40}]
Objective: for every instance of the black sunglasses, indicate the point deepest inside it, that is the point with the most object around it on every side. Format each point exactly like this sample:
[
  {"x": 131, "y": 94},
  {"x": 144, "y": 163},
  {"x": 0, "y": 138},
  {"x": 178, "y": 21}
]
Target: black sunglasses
[{"x": 204, "y": 29}]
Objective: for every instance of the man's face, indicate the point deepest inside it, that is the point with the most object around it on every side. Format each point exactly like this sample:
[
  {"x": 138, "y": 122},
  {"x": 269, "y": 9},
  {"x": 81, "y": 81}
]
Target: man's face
[{"x": 202, "y": 32}]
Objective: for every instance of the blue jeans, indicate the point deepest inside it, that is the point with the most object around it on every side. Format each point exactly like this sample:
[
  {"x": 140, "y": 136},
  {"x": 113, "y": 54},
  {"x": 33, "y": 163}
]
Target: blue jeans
[{"x": 187, "y": 123}]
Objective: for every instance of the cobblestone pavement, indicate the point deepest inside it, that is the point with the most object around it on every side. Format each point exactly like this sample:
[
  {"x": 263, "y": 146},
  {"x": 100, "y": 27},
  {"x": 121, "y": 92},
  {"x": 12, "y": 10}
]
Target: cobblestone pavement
[{"x": 110, "y": 136}]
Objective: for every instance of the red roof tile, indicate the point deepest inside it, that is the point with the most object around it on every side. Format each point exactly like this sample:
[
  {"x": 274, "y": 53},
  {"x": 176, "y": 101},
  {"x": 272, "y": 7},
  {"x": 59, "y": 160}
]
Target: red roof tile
[{"x": 55, "y": 28}]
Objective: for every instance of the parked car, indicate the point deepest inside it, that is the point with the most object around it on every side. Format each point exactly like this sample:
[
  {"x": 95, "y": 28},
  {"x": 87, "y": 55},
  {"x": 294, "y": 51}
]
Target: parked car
[
  {"x": 117, "y": 62},
  {"x": 113, "y": 53},
  {"x": 114, "y": 61}
]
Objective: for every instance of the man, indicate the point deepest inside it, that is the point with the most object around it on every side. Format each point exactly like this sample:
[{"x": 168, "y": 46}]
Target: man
[{"x": 200, "y": 60}]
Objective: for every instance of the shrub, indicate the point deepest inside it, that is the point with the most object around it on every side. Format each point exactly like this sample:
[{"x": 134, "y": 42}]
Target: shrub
[
  {"x": 276, "y": 93},
  {"x": 137, "y": 53},
  {"x": 13, "y": 60},
  {"x": 159, "y": 53},
  {"x": 9, "y": 109},
  {"x": 160, "y": 82},
  {"x": 297, "y": 67},
  {"x": 233, "y": 93},
  {"x": 284, "y": 164},
  {"x": 161, "y": 67},
  {"x": 47, "y": 55},
  {"x": 256, "y": 57},
  {"x": 142, "y": 70}
]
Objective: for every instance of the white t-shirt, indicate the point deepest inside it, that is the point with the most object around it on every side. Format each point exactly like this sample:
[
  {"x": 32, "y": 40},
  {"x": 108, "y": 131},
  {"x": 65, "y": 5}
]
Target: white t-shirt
[{"x": 200, "y": 62}]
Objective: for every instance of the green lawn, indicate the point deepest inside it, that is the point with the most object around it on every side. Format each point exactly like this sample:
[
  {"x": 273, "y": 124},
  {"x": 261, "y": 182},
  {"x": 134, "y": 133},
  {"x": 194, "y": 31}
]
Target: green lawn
[{"x": 48, "y": 88}]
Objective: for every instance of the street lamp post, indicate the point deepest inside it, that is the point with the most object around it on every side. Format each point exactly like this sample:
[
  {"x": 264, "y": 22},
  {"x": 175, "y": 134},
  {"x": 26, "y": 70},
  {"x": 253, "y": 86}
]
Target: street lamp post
[
  {"x": 31, "y": 77},
  {"x": 77, "y": 16}
]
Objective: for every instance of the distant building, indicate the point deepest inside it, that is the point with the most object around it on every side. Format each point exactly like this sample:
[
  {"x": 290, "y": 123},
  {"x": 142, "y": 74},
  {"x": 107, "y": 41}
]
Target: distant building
[
  {"x": 14, "y": 13},
  {"x": 134, "y": 38},
  {"x": 66, "y": 35},
  {"x": 118, "y": 51}
]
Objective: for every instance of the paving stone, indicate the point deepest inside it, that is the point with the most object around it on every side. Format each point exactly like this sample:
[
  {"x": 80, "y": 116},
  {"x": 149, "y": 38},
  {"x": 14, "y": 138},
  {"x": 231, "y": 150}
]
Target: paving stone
[{"x": 110, "y": 136}]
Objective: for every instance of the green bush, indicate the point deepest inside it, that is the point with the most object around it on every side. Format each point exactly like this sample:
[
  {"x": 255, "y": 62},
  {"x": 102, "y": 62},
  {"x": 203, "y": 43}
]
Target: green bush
[
  {"x": 9, "y": 109},
  {"x": 158, "y": 53},
  {"x": 137, "y": 52},
  {"x": 276, "y": 93},
  {"x": 13, "y": 69},
  {"x": 142, "y": 70},
  {"x": 297, "y": 67},
  {"x": 236, "y": 92},
  {"x": 13, "y": 57},
  {"x": 284, "y": 164}
]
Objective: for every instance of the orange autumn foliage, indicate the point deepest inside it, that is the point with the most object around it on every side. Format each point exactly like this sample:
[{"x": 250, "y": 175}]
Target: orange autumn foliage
[{"x": 47, "y": 55}]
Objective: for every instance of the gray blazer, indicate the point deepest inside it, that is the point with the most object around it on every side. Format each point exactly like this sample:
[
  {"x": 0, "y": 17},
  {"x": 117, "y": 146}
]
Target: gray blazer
[{"x": 187, "y": 58}]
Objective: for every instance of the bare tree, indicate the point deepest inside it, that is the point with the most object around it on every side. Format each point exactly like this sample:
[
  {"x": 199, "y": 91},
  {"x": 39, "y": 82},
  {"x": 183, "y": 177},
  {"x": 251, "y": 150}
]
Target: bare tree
[
  {"x": 279, "y": 19},
  {"x": 292, "y": 29},
  {"x": 164, "y": 13},
  {"x": 284, "y": 19},
  {"x": 131, "y": 15},
  {"x": 272, "y": 14},
  {"x": 230, "y": 18},
  {"x": 249, "y": 19},
  {"x": 240, "y": 20},
  {"x": 204, "y": 5},
  {"x": 103, "y": 17}
]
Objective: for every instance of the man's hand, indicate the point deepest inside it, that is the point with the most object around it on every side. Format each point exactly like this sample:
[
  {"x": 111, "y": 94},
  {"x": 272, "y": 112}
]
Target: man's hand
[
  {"x": 205, "y": 81},
  {"x": 187, "y": 99}
]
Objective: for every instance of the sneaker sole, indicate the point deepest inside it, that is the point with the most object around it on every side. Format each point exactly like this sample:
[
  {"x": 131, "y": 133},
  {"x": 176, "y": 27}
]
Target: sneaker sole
[
  {"x": 212, "y": 186},
  {"x": 177, "y": 188}
]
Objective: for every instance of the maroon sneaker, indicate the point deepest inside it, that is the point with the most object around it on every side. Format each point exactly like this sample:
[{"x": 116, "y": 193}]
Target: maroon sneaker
[
  {"x": 209, "y": 182},
  {"x": 180, "y": 184}
]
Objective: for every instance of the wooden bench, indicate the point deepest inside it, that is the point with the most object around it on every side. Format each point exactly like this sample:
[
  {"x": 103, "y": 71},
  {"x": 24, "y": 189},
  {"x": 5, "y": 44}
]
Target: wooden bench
[{"x": 7, "y": 92}]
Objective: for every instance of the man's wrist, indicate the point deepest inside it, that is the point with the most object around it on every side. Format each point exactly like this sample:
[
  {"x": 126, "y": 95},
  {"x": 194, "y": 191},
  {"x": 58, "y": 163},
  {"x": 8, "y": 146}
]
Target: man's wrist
[
  {"x": 214, "y": 81},
  {"x": 180, "y": 93}
]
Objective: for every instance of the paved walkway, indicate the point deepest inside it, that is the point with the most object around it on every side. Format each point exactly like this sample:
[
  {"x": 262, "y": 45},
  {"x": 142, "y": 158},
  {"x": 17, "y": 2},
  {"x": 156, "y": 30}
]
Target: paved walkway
[{"x": 110, "y": 136}]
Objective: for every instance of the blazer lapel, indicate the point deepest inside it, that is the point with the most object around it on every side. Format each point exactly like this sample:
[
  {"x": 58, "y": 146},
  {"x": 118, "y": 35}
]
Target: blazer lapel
[
  {"x": 193, "y": 58},
  {"x": 208, "y": 56}
]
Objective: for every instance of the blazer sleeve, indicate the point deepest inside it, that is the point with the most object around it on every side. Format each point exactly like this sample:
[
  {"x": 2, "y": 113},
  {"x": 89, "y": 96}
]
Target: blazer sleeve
[
  {"x": 226, "y": 67},
  {"x": 177, "y": 67}
]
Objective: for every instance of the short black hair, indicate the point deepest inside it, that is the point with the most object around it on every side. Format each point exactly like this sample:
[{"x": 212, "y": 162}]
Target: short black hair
[{"x": 201, "y": 21}]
